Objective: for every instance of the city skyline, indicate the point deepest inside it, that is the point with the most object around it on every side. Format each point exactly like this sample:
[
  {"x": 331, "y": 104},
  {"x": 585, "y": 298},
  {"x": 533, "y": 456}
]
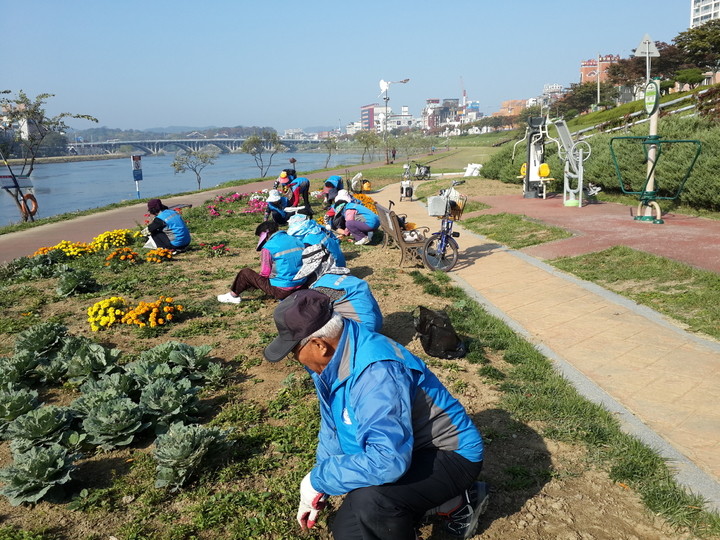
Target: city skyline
[{"x": 140, "y": 65}]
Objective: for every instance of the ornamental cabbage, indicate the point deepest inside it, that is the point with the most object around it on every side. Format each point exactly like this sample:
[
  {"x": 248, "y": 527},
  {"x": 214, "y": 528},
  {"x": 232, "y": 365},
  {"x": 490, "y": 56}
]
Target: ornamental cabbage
[
  {"x": 114, "y": 423},
  {"x": 180, "y": 452},
  {"x": 41, "y": 338},
  {"x": 76, "y": 282},
  {"x": 35, "y": 472},
  {"x": 169, "y": 401},
  {"x": 14, "y": 403},
  {"x": 92, "y": 361},
  {"x": 43, "y": 426},
  {"x": 146, "y": 372}
]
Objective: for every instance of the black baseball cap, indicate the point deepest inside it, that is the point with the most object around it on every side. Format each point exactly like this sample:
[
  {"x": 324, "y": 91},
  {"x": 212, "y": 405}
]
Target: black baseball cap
[{"x": 298, "y": 316}]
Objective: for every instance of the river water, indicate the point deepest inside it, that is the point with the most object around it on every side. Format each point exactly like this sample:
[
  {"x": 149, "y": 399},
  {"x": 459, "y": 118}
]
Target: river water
[{"x": 68, "y": 187}]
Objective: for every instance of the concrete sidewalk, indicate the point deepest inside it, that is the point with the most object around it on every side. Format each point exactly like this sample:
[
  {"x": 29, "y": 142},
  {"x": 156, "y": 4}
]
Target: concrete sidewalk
[{"x": 662, "y": 382}]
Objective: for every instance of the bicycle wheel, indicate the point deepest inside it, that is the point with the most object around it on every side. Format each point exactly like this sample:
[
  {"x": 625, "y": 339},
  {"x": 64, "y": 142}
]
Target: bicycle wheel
[{"x": 434, "y": 259}]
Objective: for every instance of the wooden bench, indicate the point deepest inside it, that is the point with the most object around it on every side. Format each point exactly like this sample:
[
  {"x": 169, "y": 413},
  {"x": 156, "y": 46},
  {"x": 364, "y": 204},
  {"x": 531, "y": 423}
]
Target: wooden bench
[{"x": 392, "y": 234}]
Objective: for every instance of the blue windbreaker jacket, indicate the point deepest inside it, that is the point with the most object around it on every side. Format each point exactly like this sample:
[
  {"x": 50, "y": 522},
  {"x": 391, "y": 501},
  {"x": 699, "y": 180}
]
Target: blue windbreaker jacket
[
  {"x": 358, "y": 302},
  {"x": 378, "y": 404},
  {"x": 286, "y": 252},
  {"x": 176, "y": 224}
]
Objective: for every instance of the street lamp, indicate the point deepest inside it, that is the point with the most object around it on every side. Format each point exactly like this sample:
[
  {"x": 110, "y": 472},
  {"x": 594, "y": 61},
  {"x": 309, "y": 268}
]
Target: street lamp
[{"x": 384, "y": 85}]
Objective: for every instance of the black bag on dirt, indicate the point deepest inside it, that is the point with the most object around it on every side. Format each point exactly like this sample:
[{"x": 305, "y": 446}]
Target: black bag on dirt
[{"x": 437, "y": 335}]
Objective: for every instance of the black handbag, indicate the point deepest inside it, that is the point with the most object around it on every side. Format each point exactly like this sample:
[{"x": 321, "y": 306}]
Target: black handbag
[{"x": 437, "y": 335}]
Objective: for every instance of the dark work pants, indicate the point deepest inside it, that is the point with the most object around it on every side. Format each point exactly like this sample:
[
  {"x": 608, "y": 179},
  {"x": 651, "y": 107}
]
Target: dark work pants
[
  {"x": 248, "y": 278},
  {"x": 391, "y": 511}
]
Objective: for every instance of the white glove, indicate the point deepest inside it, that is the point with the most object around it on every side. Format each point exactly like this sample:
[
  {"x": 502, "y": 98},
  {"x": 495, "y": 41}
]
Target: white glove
[
  {"x": 145, "y": 232},
  {"x": 311, "y": 502}
]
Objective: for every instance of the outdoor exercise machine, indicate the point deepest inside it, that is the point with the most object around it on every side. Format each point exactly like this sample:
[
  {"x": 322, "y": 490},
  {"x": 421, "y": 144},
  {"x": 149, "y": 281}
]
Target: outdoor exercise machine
[
  {"x": 573, "y": 154},
  {"x": 535, "y": 135},
  {"x": 652, "y": 147}
]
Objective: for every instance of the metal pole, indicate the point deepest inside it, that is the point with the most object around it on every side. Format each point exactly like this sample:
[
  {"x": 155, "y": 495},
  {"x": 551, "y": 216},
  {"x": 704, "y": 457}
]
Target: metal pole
[
  {"x": 385, "y": 134},
  {"x": 598, "y": 80}
]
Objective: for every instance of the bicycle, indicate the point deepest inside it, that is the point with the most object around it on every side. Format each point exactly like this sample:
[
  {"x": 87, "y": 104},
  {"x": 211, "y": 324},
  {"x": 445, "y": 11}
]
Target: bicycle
[
  {"x": 422, "y": 172},
  {"x": 441, "y": 250}
]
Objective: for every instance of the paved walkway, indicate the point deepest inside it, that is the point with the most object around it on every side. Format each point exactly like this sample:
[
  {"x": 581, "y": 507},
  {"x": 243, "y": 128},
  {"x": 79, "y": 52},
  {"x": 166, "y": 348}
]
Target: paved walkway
[{"x": 661, "y": 382}]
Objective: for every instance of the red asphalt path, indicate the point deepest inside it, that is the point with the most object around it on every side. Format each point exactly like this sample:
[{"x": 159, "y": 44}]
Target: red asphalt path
[{"x": 598, "y": 226}]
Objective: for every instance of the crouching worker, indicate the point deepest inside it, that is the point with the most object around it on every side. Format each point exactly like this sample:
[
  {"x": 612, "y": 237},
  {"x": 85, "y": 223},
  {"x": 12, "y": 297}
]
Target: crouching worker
[
  {"x": 310, "y": 232},
  {"x": 280, "y": 261},
  {"x": 276, "y": 205},
  {"x": 351, "y": 296},
  {"x": 360, "y": 221},
  {"x": 392, "y": 438},
  {"x": 167, "y": 230}
]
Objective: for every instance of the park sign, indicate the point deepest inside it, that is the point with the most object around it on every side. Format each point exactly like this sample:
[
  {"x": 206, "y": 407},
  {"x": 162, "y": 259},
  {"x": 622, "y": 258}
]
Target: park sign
[
  {"x": 136, "y": 167},
  {"x": 652, "y": 97}
]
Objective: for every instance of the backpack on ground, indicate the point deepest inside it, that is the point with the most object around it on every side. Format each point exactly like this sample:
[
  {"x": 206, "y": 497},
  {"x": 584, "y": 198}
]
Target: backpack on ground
[{"x": 437, "y": 335}]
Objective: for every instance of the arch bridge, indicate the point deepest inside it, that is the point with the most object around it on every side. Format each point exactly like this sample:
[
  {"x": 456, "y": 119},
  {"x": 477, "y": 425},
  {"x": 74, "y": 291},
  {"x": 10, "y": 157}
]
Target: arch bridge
[{"x": 155, "y": 146}]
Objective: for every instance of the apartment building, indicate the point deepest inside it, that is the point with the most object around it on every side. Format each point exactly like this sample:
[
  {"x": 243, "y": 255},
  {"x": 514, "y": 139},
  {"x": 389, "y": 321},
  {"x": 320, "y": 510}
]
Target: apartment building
[{"x": 701, "y": 11}]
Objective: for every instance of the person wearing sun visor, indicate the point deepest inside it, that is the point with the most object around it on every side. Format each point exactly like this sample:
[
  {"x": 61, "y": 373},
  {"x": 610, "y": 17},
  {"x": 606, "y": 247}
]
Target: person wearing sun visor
[{"x": 280, "y": 261}]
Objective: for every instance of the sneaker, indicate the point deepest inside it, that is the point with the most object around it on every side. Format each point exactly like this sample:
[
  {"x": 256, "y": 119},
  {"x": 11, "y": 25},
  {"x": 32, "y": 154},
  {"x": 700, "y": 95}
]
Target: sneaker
[
  {"x": 362, "y": 242},
  {"x": 229, "y": 298},
  {"x": 464, "y": 519}
]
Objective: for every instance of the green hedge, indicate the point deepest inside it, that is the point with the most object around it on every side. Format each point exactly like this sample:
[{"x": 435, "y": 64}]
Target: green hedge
[{"x": 701, "y": 190}]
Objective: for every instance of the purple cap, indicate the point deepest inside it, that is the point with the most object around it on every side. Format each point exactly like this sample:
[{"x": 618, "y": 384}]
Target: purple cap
[
  {"x": 298, "y": 316},
  {"x": 154, "y": 204}
]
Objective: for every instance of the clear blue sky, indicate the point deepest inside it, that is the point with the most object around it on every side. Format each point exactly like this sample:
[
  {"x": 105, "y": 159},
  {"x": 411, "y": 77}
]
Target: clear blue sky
[{"x": 300, "y": 63}]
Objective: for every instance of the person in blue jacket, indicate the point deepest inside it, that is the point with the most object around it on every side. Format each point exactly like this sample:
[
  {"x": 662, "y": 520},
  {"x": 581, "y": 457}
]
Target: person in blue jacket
[
  {"x": 168, "y": 229},
  {"x": 298, "y": 190},
  {"x": 332, "y": 187},
  {"x": 310, "y": 232},
  {"x": 350, "y": 295},
  {"x": 360, "y": 221},
  {"x": 280, "y": 261},
  {"x": 392, "y": 438},
  {"x": 276, "y": 205}
]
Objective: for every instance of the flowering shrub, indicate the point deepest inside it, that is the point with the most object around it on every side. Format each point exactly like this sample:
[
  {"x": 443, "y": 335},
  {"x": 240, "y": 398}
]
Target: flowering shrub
[
  {"x": 124, "y": 256},
  {"x": 113, "y": 239},
  {"x": 152, "y": 314},
  {"x": 220, "y": 250},
  {"x": 73, "y": 250},
  {"x": 105, "y": 313},
  {"x": 158, "y": 255},
  {"x": 366, "y": 200},
  {"x": 43, "y": 251}
]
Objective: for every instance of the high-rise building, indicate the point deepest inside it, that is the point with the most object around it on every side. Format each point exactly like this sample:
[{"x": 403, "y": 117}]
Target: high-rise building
[{"x": 701, "y": 11}]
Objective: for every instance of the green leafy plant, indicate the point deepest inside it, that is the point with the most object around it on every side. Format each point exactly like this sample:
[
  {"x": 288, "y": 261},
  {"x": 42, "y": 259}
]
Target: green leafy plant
[
  {"x": 76, "y": 282},
  {"x": 84, "y": 405},
  {"x": 193, "y": 360},
  {"x": 147, "y": 371},
  {"x": 91, "y": 360},
  {"x": 35, "y": 472},
  {"x": 37, "y": 427},
  {"x": 180, "y": 452},
  {"x": 169, "y": 401},
  {"x": 14, "y": 403},
  {"x": 120, "y": 382},
  {"x": 114, "y": 423},
  {"x": 41, "y": 338},
  {"x": 18, "y": 367}
]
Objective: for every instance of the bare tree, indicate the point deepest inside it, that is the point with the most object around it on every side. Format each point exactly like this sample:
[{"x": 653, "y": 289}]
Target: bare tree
[
  {"x": 260, "y": 146},
  {"x": 194, "y": 161},
  {"x": 330, "y": 144},
  {"x": 27, "y": 125}
]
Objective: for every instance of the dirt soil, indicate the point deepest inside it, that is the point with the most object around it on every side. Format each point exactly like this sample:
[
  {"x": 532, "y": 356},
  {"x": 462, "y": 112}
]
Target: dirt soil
[{"x": 540, "y": 489}]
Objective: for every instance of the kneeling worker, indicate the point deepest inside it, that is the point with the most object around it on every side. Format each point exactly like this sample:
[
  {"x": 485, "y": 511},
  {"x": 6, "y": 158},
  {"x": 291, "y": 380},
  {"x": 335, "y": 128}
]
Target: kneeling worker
[
  {"x": 168, "y": 229},
  {"x": 392, "y": 438}
]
